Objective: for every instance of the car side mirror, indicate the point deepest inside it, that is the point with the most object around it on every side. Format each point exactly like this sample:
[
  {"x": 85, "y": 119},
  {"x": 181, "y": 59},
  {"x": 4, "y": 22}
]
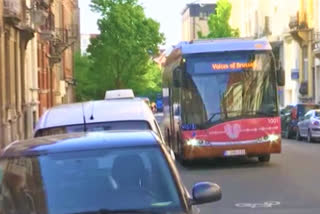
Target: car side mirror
[
  {"x": 281, "y": 78},
  {"x": 205, "y": 192}
]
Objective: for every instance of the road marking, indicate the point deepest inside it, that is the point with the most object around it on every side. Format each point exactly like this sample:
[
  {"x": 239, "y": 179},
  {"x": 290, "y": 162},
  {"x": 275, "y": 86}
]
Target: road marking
[{"x": 267, "y": 204}]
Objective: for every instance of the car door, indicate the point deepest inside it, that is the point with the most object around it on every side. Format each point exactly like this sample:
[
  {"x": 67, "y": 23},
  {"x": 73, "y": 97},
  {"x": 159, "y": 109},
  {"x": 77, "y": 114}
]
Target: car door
[
  {"x": 159, "y": 133},
  {"x": 310, "y": 120},
  {"x": 304, "y": 124},
  {"x": 300, "y": 125}
]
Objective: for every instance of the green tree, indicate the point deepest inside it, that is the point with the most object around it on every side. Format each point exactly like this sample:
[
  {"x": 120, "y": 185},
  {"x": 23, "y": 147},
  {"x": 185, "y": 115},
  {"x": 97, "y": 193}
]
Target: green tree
[
  {"x": 85, "y": 87},
  {"x": 120, "y": 56},
  {"x": 151, "y": 82},
  {"x": 219, "y": 22}
]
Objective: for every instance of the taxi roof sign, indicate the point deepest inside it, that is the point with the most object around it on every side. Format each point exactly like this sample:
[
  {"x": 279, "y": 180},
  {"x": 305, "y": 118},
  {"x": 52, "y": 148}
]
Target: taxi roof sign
[{"x": 119, "y": 94}]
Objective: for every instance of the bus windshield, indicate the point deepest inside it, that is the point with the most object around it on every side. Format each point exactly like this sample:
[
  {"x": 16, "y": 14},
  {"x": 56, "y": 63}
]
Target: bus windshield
[{"x": 227, "y": 86}]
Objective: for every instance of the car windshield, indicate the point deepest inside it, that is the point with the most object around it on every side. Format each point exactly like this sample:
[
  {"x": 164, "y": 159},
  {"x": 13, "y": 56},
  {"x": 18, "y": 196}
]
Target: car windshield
[
  {"x": 220, "y": 87},
  {"x": 286, "y": 110},
  {"x": 89, "y": 181},
  {"x": 94, "y": 127},
  {"x": 317, "y": 114}
]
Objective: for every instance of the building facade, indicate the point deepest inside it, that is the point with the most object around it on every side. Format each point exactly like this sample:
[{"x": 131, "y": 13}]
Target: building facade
[
  {"x": 37, "y": 41},
  {"x": 2, "y": 119},
  {"x": 17, "y": 30},
  {"x": 304, "y": 28},
  {"x": 57, "y": 43},
  {"x": 269, "y": 19},
  {"x": 44, "y": 35},
  {"x": 30, "y": 80},
  {"x": 316, "y": 50},
  {"x": 195, "y": 19}
]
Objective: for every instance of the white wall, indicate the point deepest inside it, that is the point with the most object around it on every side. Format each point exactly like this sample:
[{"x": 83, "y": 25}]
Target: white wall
[
  {"x": 291, "y": 61},
  {"x": 317, "y": 61},
  {"x": 186, "y": 23},
  {"x": 249, "y": 17}
]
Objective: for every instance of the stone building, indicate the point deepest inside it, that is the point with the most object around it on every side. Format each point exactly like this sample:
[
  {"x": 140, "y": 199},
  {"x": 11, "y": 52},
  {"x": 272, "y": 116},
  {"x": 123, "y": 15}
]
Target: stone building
[
  {"x": 38, "y": 39},
  {"x": 195, "y": 19},
  {"x": 16, "y": 31}
]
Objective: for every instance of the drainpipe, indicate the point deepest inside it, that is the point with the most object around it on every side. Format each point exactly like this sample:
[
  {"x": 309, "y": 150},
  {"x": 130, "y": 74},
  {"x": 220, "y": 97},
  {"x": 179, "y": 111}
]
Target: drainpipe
[
  {"x": 301, "y": 65},
  {"x": 194, "y": 28},
  {"x": 310, "y": 65}
]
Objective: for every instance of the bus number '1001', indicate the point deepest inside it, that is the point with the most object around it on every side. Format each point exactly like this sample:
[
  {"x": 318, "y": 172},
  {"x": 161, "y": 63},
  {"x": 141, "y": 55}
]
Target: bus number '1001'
[{"x": 188, "y": 127}]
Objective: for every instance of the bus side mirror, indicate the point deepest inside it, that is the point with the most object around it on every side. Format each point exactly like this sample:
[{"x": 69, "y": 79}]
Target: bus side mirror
[
  {"x": 281, "y": 79},
  {"x": 177, "y": 77}
]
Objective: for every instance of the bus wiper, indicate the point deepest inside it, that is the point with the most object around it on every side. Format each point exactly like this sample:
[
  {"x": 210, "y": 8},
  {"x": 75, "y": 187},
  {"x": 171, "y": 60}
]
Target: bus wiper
[
  {"x": 128, "y": 211},
  {"x": 214, "y": 114},
  {"x": 263, "y": 113},
  {"x": 218, "y": 113},
  {"x": 272, "y": 113}
]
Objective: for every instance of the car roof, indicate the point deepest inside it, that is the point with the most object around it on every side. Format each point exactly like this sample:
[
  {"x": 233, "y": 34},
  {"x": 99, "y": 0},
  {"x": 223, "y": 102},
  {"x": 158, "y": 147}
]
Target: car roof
[
  {"x": 81, "y": 141},
  {"x": 223, "y": 45},
  {"x": 96, "y": 112},
  {"x": 313, "y": 110},
  {"x": 304, "y": 104}
]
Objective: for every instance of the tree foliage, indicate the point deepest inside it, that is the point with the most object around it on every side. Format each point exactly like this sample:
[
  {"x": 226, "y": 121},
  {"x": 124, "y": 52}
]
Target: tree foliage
[
  {"x": 219, "y": 22},
  {"x": 120, "y": 57},
  {"x": 86, "y": 87}
]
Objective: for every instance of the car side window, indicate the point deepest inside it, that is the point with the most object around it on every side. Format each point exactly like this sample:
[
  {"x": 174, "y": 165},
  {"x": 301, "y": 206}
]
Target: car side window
[{"x": 308, "y": 115}]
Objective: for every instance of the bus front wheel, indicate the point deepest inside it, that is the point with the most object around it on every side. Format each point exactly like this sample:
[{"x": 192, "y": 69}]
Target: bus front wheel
[{"x": 264, "y": 158}]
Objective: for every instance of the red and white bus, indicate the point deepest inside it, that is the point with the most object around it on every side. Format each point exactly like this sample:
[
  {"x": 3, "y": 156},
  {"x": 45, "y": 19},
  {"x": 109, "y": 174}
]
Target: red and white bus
[{"x": 220, "y": 99}]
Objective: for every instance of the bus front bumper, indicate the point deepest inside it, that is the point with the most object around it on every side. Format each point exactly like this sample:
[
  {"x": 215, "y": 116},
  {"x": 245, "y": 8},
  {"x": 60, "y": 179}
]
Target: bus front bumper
[{"x": 216, "y": 150}]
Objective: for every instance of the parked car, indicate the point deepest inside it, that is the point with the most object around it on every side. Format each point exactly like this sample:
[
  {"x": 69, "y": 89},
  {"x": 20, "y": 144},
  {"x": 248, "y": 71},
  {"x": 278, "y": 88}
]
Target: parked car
[
  {"x": 102, "y": 115},
  {"x": 309, "y": 126},
  {"x": 290, "y": 117},
  {"x": 105, "y": 172}
]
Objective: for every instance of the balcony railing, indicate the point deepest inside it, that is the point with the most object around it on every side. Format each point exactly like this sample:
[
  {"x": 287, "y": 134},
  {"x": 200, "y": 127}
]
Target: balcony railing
[
  {"x": 47, "y": 30},
  {"x": 12, "y": 9},
  {"x": 293, "y": 23},
  {"x": 316, "y": 44},
  {"x": 296, "y": 24},
  {"x": 63, "y": 39},
  {"x": 67, "y": 34},
  {"x": 43, "y": 3}
]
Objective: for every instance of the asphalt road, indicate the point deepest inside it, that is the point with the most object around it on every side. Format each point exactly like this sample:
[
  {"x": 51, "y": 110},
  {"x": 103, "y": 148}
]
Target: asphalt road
[{"x": 290, "y": 183}]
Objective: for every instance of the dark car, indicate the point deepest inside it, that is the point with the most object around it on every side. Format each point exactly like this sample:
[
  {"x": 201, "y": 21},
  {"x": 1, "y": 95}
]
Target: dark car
[
  {"x": 97, "y": 172},
  {"x": 290, "y": 117}
]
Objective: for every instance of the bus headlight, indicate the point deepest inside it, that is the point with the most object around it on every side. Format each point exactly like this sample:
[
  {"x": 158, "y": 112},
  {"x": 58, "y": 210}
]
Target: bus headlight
[
  {"x": 273, "y": 138},
  {"x": 195, "y": 142}
]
